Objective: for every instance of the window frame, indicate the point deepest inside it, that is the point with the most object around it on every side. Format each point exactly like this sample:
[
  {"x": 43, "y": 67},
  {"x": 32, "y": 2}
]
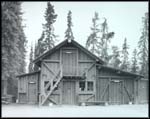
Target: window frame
[
  {"x": 84, "y": 86},
  {"x": 88, "y": 87}
]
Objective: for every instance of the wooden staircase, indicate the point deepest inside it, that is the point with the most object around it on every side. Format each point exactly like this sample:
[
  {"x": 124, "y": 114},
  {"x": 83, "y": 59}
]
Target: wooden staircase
[
  {"x": 44, "y": 97},
  {"x": 50, "y": 86}
]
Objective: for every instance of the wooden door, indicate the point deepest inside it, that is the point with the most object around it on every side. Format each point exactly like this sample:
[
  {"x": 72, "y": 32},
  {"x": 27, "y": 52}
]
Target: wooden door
[
  {"x": 69, "y": 62},
  {"x": 116, "y": 92},
  {"x": 68, "y": 93},
  {"x": 102, "y": 89},
  {"x": 32, "y": 93}
]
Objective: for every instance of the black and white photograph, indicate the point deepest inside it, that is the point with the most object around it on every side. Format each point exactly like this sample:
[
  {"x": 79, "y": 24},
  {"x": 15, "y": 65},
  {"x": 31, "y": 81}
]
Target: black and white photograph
[{"x": 74, "y": 59}]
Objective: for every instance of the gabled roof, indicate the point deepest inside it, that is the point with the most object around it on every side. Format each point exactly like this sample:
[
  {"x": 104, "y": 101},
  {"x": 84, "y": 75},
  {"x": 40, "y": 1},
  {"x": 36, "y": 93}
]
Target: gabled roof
[
  {"x": 38, "y": 59},
  {"x": 121, "y": 71}
]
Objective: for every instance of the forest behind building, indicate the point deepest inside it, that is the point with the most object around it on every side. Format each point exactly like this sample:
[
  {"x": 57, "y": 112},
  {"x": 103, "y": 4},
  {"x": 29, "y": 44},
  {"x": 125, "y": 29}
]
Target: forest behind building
[{"x": 14, "y": 44}]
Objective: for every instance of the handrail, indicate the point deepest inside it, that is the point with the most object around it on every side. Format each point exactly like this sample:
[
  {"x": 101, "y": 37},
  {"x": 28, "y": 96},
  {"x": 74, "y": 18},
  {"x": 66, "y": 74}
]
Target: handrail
[{"x": 50, "y": 92}]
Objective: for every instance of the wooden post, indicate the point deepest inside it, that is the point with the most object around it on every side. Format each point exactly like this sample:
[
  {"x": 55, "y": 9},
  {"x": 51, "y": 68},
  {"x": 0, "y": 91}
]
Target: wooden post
[
  {"x": 109, "y": 97},
  {"x": 137, "y": 91},
  {"x": 77, "y": 91},
  {"x": 123, "y": 91},
  {"x": 61, "y": 91}
]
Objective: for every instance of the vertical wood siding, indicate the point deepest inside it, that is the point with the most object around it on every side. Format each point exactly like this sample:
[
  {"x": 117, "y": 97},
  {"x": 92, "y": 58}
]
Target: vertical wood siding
[
  {"x": 22, "y": 98},
  {"x": 55, "y": 97},
  {"x": 54, "y": 56},
  {"x": 101, "y": 84},
  {"x": 116, "y": 91},
  {"x": 143, "y": 91},
  {"x": 69, "y": 92},
  {"x": 129, "y": 84},
  {"x": 83, "y": 67},
  {"x": 69, "y": 61},
  {"x": 68, "y": 57},
  {"x": 28, "y": 88},
  {"x": 83, "y": 56},
  {"x": 84, "y": 97}
]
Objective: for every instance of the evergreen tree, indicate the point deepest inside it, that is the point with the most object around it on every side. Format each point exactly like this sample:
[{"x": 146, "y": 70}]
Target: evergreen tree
[
  {"x": 106, "y": 36},
  {"x": 98, "y": 40},
  {"x": 125, "y": 62},
  {"x": 134, "y": 67},
  {"x": 22, "y": 50},
  {"x": 115, "y": 60},
  {"x": 30, "y": 67},
  {"x": 92, "y": 43},
  {"x": 13, "y": 45},
  {"x": 143, "y": 47},
  {"x": 36, "y": 50},
  {"x": 36, "y": 54},
  {"x": 50, "y": 18},
  {"x": 69, "y": 34},
  {"x": 41, "y": 47}
]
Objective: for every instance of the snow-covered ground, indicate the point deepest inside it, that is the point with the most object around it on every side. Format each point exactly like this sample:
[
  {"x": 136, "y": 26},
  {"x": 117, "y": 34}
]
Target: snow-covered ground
[{"x": 16, "y": 110}]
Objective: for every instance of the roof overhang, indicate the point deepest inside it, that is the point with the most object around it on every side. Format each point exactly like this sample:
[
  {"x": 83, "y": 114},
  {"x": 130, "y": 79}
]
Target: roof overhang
[
  {"x": 27, "y": 74},
  {"x": 121, "y": 71}
]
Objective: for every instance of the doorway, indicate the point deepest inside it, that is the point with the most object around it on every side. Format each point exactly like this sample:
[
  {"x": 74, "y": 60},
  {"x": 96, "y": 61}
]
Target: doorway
[{"x": 68, "y": 93}]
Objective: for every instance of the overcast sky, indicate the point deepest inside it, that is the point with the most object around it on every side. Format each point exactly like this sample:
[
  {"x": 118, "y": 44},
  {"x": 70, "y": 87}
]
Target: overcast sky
[{"x": 124, "y": 18}]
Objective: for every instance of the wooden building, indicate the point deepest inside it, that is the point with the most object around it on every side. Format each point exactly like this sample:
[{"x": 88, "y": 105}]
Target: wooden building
[{"x": 70, "y": 74}]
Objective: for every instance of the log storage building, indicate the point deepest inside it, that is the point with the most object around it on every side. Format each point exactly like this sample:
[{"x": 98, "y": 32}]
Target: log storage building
[{"x": 70, "y": 74}]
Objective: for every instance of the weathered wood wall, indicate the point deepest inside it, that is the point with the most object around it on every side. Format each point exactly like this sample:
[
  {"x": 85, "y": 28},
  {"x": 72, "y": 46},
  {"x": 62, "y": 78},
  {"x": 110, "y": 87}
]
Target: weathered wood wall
[
  {"x": 114, "y": 87},
  {"x": 74, "y": 62},
  {"x": 109, "y": 85},
  {"x": 28, "y": 88},
  {"x": 143, "y": 91}
]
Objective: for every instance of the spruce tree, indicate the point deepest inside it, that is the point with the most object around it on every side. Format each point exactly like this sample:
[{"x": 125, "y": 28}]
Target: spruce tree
[
  {"x": 41, "y": 46},
  {"x": 97, "y": 41},
  {"x": 134, "y": 66},
  {"x": 39, "y": 49},
  {"x": 68, "y": 33},
  {"x": 13, "y": 45},
  {"x": 36, "y": 54},
  {"x": 125, "y": 62},
  {"x": 105, "y": 39},
  {"x": 92, "y": 41},
  {"x": 143, "y": 47},
  {"x": 115, "y": 57},
  {"x": 50, "y": 18}
]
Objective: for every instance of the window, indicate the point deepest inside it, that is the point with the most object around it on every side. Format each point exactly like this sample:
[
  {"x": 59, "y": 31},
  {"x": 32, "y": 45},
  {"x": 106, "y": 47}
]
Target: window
[
  {"x": 90, "y": 86},
  {"x": 82, "y": 85},
  {"x": 45, "y": 83}
]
